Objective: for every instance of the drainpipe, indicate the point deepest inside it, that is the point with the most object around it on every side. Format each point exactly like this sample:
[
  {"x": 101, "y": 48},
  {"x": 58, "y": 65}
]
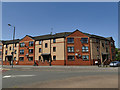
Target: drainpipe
[
  {"x": 64, "y": 53},
  {"x": 50, "y": 52}
]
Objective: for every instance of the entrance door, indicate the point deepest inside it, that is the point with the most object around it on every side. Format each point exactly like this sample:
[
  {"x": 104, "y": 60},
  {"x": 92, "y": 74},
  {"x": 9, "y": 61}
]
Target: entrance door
[
  {"x": 104, "y": 57},
  {"x": 46, "y": 57},
  {"x": 10, "y": 59}
]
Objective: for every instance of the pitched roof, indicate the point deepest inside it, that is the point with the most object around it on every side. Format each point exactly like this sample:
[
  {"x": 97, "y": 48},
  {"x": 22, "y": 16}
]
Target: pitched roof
[
  {"x": 10, "y": 41},
  {"x": 58, "y": 35}
]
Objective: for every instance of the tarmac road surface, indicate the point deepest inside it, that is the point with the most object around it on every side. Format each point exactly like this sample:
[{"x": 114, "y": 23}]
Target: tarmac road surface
[{"x": 60, "y": 77}]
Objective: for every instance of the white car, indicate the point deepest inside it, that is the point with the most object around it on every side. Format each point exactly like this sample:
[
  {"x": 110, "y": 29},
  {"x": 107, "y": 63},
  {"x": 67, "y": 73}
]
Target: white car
[{"x": 114, "y": 64}]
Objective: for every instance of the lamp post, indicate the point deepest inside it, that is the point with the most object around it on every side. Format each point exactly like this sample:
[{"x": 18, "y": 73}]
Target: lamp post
[{"x": 13, "y": 43}]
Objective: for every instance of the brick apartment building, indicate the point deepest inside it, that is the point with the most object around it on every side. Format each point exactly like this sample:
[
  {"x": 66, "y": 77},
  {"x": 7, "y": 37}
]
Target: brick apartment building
[{"x": 67, "y": 48}]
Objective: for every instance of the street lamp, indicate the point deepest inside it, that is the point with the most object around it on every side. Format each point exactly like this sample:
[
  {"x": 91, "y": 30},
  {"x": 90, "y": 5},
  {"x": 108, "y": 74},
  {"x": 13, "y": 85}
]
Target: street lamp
[{"x": 13, "y": 43}]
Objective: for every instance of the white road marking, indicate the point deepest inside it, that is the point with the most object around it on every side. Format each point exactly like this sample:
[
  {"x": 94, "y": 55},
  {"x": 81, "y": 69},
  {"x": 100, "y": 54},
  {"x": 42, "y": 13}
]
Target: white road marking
[{"x": 11, "y": 76}]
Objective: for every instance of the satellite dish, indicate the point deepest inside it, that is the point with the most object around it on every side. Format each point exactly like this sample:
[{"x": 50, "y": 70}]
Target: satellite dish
[{"x": 76, "y": 54}]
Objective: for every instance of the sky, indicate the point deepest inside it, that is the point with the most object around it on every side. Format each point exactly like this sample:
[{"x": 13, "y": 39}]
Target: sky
[{"x": 40, "y": 18}]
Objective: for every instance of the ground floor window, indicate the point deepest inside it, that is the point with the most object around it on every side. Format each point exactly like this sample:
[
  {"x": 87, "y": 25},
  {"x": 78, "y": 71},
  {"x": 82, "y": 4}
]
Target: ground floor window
[
  {"x": 85, "y": 57},
  {"x": 14, "y": 58},
  {"x": 54, "y": 57},
  {"x": 21, "y": 58},
  {"x": 39, "y": 57},
  {"x": 30, "y": 58},
  {"x": 71, "y": 57}
]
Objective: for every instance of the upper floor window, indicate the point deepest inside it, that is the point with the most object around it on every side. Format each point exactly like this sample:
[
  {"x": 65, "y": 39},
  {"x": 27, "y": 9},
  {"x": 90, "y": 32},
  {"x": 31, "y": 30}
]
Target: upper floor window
[
  {"x": 6, "y": 52},
  {"x": 22, "y": 51},
  {"x": 54, "y": 49},
  {"x": 54, "y": 57},
  {"x": 85, "y": 49},
  {"x": 10, "y": 48},
  {"x": 102, "y": 44},
  {"x": 54, "y": 40},
  {"x": 6, "y": 46},
  {"x": 15, "y": 51},
  {"x": 106, "y": 49},
  {"x": 30, "y": 58},
  {"x": 85, "y": 57},
  {"x": 111, "y": 43},
  {"x": 84, "y": 40},
  {"x": 70, "y": 49},
  {"x": 15, "y": 44},
  {"x": 70, "y": 40},
  {"x": 31, "y": 43},
  {"x": 30, "y": 51},
  {"x": 46, "y": 45},
  {"x": 40, "y": 50},
  {"x": 106, "y": 43},
  {"x": 21, "y": 58},
  {"x": 97, "y": 48},
  {"x": 0, "y": 53},
  {"x": 71, "y": 57},
  {"x": 0, "y": 46},
  {"x": 40, "y": 42},
  {"x": 97, "y": 41},
  {"x": 22, "y": 44}
]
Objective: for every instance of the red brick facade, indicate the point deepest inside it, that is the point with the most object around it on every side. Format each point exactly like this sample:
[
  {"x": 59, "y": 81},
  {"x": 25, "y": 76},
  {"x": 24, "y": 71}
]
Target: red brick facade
[
  {"x": 78, "y": 49},
  {"x": 77, "y": 35},
  {"x": 26, "y": 48}
]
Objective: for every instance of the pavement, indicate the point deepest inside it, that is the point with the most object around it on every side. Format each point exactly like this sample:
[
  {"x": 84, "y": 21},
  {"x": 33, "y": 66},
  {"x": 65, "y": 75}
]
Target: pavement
[{"x": 60, "y": 77}]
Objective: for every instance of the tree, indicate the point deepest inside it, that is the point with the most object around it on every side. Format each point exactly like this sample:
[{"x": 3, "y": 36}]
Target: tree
[{"x": 117, "y": 51}]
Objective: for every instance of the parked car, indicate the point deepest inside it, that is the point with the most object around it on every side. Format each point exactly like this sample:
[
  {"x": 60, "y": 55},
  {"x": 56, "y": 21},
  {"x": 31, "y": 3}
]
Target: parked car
[{"x": 114, "y": 64}]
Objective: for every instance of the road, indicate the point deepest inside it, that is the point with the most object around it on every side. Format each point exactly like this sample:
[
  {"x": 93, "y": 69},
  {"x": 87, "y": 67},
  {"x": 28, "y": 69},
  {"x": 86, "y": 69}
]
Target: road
[{"x": 60, "y": 77}]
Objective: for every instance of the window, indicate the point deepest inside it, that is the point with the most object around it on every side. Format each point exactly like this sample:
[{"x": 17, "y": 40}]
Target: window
[
  {"x": 71, "y": 57},
  {"x": 0, "y": 59},
  {"x": 30, "y": 58},
  {"x": 54, "y": 49},
  {"x": 97, "y": 48},
  {"x": 6, "y": 52},
  {"x": 39, "y": 57},
  {"x": 21, "y": 58},
  {"x": 15, "y": 51},
  {"x": 106, "y": 43},
  {"x": 111, "y": 43},
  {"x": 40, "y": 50},
  {"x": 84, "y": 49},
  {"x": 0, "y": 46},
  {"x": 54, "y": 40},
  {"x": 22, "y": 44},
  {"x": 30, "y": 51},
  {"x": 102, "y": 44},
  {"x": 15, "y": 58},
  {"x": 45, "y": 45},
  {"x": 112, "y": 50},
  {"x": 70, "y": 40},
  {"x": 21, "y": 51},
  {"x": 0, "y": 53},
  {"x": 84, "y": 40},
  {"x": 10, "y": 48},
  {"x": 54, "y": 57},
  {"x": 106, "y": 49},
  {"x": 15, "y": 44},
  {"x": 97, "y": 41},
  {"x": 6, "y": 46},
  {"x": 70, "y": 49},
  {"x": 40, "y": 42},
  {"x": 112, "y": 57},
  {"x": 85, "y": 57},
  {"x": 31, "y": 43}
]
